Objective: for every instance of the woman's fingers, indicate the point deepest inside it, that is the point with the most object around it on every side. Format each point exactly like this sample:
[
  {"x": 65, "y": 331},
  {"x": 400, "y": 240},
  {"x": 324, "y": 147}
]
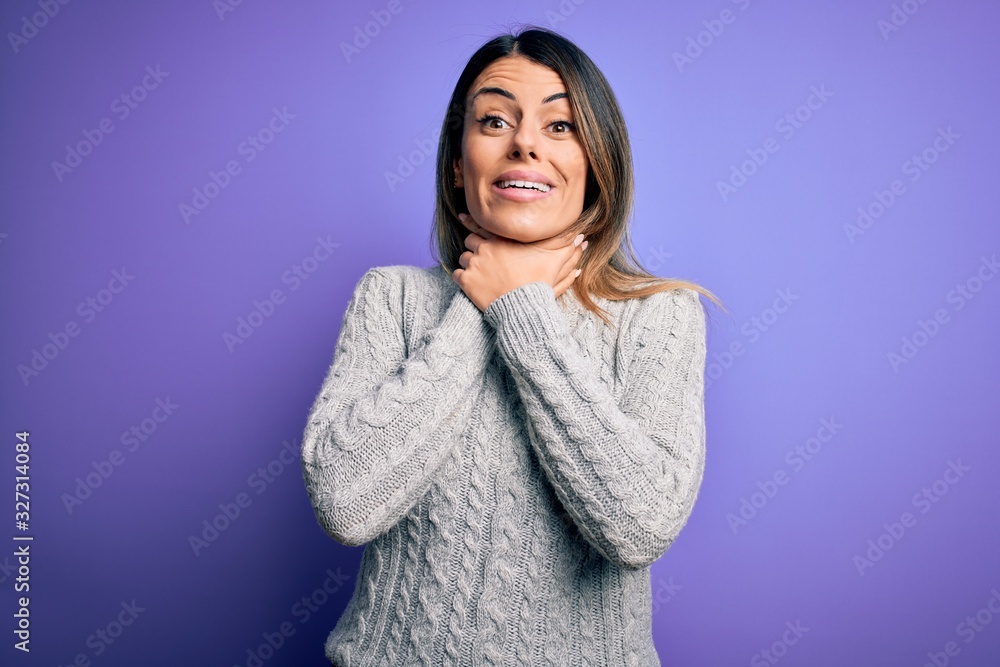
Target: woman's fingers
[
  {"x": 572, "y": 262},
  {"x": 568, "y": 271},
  {"x": 467, "y": 221},
  {"x": 473, "y": 226},
  {"x": 564, "y": 284},
  {"x": 472, "y": 241}
]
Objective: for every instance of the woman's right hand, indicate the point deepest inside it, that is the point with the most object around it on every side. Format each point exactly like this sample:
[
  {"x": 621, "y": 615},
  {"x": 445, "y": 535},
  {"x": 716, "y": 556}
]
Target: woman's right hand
[{"x": 495, "y": 265}]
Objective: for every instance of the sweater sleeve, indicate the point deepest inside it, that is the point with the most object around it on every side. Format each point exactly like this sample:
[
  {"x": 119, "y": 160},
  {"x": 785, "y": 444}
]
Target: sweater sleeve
[
  {"x": 626, "y": 474},
  {"x": 385, "y": 420}
]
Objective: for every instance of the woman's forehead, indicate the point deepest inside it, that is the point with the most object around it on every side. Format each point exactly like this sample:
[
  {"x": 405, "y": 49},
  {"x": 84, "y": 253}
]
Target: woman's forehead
[{"x": 520, "y": 77}]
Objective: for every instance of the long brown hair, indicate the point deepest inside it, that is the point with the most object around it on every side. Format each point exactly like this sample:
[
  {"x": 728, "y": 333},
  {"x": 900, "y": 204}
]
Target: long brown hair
[{"x": 610, "y": 268}]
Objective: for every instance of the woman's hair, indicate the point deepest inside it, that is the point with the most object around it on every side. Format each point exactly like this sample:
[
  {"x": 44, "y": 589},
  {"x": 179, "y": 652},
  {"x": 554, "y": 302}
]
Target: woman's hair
[{"x": 610, "y": 268}]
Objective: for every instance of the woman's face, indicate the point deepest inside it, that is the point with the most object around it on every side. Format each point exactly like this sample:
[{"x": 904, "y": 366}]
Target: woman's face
[{"x": 518, "y": 119}]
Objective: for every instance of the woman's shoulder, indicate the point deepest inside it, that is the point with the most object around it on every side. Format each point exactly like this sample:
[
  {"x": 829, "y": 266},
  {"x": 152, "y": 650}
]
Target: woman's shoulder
[
  {"x": 665, "y": 310},
  {"x": 409, "y": 277},
  {"x": 409, "y": 289},
  {"x": 683, "y": 298}
]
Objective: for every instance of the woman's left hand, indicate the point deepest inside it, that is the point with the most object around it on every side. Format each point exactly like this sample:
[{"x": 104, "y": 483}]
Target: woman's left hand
[{"x": 494, "y": 265}]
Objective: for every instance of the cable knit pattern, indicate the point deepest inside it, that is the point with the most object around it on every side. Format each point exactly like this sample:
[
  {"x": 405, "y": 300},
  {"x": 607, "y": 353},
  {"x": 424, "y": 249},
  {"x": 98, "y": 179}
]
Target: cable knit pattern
[{"x": 513, "y": 473}]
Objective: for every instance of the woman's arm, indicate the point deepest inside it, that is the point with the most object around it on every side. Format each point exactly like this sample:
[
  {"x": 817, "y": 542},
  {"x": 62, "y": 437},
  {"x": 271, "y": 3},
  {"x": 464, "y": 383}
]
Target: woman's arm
[
  {"x": 627, "y": 475},
  {"x": 384, "y": 422}
]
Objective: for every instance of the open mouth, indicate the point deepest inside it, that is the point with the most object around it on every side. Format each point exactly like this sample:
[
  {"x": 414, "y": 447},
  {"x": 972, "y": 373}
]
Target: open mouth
[{"x": 523, "y": 185}]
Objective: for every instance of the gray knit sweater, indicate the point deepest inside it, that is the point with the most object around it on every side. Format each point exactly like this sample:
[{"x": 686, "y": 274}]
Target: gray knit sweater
[{"x": 513, "y": 472}]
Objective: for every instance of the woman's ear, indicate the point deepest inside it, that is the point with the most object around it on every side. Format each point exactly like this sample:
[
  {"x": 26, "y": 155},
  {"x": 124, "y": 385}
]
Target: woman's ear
[{"x": 459, "y": 181}]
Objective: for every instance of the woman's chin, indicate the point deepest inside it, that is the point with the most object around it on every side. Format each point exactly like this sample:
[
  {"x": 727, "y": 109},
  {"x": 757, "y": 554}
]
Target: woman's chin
[
  {"x": 524, "y": 231},
  {"x": 521, "y": 236}
]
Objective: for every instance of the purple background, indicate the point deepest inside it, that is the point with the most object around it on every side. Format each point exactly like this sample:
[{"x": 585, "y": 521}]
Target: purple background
[{"x": 725, "y": 590}]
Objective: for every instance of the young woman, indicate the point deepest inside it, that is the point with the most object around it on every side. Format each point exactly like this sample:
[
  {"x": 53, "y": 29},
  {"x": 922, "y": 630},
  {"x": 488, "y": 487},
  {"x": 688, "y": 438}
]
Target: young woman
[{"x": 517, "y": 433}]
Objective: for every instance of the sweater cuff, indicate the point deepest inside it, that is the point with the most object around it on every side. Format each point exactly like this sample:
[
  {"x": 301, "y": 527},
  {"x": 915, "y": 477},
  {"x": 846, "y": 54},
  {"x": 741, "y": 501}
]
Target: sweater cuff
[
  {"x": 465, "y": 317},
  {"x": 526, "y": 317}
]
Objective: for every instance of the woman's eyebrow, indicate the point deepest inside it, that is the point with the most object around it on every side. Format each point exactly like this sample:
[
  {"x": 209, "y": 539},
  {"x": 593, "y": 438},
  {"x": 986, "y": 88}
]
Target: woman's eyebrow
[{"x": 509, "y": 95}]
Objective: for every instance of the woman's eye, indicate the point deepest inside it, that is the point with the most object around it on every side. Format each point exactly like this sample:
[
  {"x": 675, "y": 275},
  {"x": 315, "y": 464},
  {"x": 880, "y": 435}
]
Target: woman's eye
[
  {"x": 497, "y": 123},
  {"x": 489, "y": 120}
]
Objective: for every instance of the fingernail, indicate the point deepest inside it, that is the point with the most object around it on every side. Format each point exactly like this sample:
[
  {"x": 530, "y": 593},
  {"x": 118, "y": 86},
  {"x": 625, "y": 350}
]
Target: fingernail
[
  {"x": 578, "y": 239},
  {"x": 584, "y": 246},
  {"x": 463, "y": 216},
  {"x": 579, "y": 271}
]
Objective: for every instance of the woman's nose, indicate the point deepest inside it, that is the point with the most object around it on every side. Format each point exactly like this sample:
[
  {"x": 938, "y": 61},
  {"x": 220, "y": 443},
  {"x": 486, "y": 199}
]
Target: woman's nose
[{"x": 524, "y": 141}]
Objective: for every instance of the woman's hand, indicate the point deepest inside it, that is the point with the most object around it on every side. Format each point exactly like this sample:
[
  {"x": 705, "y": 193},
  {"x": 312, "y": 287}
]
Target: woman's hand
[{"x": 494, "y": 265}]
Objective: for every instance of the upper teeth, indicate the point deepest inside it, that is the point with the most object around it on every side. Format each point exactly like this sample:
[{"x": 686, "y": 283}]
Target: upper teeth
[{"x": 525, "y": 184}]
